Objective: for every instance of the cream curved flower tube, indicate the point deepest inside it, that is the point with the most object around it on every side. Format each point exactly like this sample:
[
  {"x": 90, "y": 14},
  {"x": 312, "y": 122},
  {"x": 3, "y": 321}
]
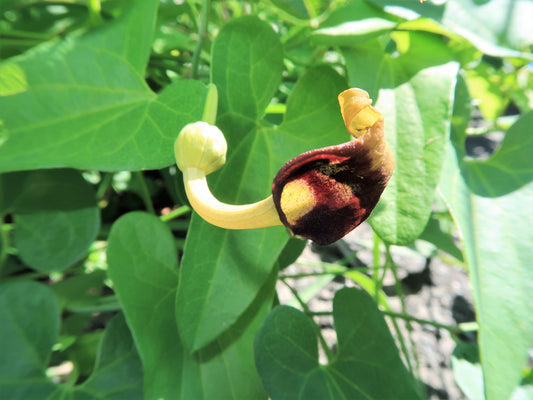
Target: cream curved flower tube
[
  {"x": 320, "y": 195},
  {"x": 200, "y": 150}
]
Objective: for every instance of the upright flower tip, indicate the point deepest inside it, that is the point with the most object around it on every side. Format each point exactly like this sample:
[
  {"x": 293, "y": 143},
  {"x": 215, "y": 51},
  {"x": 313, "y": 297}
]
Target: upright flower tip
[{"x": 325, "y": 193}]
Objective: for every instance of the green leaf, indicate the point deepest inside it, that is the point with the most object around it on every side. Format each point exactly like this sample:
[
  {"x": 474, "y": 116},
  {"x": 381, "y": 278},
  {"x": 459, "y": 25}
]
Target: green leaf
[
  {"x": 489, "y": 201},
  {"x": 495, "y": 27},
  {"x": 246, "y": 68},
  {"x": 29, "y": 325},
  {"x": 44, "y": 190},
  {"x": 287, "y": 354},
  {"x": 356, "y": 22},
  {"x": 55, "y": 214},
  {"x": 222, "y": 270},
  {"x": 414, "y": 92},
  {"x": 435, "y": 234},
  {"x": 79, "y": 290},
  {"x": 143, "y": 266},
  {"x": 467, "y": 370},
  {"x": 117, "y": 371},
  {"x": 54, "y": 240},
  {"x": 303, "y": 9},
  {"x": 90, "y": 106}
]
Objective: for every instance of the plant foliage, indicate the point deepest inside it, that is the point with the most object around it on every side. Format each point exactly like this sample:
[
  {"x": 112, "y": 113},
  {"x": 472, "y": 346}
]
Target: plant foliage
[{"x": 106, "y": 272}]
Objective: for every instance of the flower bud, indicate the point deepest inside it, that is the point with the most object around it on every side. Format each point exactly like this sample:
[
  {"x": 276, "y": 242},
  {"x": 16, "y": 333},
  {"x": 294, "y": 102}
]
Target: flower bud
[{"x": 202, "y": 146}]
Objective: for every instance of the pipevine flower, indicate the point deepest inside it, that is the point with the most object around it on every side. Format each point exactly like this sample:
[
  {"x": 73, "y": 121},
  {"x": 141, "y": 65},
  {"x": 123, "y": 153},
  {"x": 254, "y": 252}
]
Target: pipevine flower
[{"x": 320, "y": 195}]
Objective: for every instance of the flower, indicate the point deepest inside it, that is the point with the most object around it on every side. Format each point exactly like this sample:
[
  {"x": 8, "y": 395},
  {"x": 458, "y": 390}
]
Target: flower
[{"x": 320, "y": 195}]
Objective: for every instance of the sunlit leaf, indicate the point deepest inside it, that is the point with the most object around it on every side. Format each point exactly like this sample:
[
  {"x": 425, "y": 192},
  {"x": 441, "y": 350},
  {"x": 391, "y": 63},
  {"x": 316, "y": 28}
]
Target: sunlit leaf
[{"x": 287, "y": 355}]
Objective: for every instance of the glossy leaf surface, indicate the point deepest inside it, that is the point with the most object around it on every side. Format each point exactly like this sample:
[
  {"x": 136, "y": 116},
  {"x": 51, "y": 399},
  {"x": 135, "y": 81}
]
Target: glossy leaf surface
[{"x": 287, "y": 354}]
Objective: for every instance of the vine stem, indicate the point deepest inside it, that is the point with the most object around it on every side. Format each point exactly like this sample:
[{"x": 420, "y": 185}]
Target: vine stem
[
  {"x": 202, "y": 32},
  {"x": 323, "y": 343},
  {"x": 4, "y": 238},
  {"x": 178, "y": 212},
  {"x": 454, "y": 329},
  {"x": 95, "y": 9},
  {"x": 145, "y": 194}
]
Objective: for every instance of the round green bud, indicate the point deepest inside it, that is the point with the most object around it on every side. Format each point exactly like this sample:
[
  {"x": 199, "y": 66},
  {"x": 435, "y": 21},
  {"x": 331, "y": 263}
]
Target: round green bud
[{"x": 200, "y": 145}]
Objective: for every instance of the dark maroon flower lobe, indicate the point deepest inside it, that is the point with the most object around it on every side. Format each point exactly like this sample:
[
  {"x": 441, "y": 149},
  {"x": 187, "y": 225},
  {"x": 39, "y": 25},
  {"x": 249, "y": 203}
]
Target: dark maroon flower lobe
[{"x": 325, "y": 193}]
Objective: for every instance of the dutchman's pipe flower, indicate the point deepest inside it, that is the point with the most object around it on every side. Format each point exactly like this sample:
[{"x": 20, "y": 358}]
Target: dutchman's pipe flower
[{"x": 320, "y": 195}]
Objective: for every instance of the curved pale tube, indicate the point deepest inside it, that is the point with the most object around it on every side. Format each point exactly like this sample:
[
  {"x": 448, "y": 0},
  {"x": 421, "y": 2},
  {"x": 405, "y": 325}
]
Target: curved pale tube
[{"x": 250, "y": 216}]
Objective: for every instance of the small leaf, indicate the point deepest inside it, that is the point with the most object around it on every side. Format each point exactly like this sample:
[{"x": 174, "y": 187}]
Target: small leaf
[
  {"x": 353, "y": 23},
  {"x": 467, "y": 370},
  {"x": 55, "y": 213},
  {"x": 287, "y": 355},
  {"x": 29, "y": 325},
  {"x": 118, "y": 371},
  {"x": 54, "y": 240}
]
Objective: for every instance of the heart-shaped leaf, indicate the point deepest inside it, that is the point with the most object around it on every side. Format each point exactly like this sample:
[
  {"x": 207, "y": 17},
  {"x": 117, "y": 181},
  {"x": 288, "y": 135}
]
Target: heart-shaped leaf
[
  {"x": 287, "y": 355},
  {"x": 90, "y": 106},
  {"x": 144, "y": 268}
]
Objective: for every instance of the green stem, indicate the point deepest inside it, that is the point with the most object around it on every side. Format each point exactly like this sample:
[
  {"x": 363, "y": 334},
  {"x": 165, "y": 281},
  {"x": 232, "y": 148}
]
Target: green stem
[
  {"x": 454, "y": 329},
  {"x": 376, "y": 255},
  {"x": 106, "y": 181},
  {"x": 4, "y": 243},
  {"x": 323, "y": 343},
  {"x": 95, "y": 9},
  {"x": 16, "y": 33},
  {"x": 202, "y": 32},
  {"x": 399, "y": 291},
  {"x": 145, "y": 195},
  {"x": 19, "y": 42},
  {"x": 178, "y": 212}
]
